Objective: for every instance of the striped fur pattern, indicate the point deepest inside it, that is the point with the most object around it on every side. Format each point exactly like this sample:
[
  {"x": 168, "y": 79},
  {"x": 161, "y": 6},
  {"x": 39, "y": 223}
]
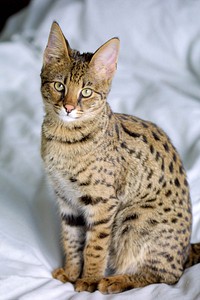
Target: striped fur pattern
[{"x": 120, "y": 185}]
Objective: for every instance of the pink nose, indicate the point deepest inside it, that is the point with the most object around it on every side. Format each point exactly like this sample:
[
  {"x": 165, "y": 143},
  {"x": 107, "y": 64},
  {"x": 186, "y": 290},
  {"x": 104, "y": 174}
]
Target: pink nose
[{"x": 69, "y": 108}]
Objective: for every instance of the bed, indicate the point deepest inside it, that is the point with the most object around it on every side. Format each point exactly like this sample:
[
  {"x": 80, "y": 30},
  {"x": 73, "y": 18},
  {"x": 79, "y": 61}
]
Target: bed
[{"x": 158, "y": 79}]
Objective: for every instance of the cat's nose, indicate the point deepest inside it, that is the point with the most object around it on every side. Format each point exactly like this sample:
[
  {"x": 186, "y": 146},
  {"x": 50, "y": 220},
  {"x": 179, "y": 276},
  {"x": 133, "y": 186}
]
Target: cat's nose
[{"x": 69, "y": 108}]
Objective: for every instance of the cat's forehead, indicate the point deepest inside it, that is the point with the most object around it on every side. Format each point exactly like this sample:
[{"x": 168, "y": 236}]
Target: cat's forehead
[
  {"x": 83, "y": 57},
  {"x": 64, "y": 70},
  {"x": 78, "y": 66}
]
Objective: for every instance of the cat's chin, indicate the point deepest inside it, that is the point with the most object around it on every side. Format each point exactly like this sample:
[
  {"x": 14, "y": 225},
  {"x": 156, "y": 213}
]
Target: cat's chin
[{"x": 67, "y": 119}]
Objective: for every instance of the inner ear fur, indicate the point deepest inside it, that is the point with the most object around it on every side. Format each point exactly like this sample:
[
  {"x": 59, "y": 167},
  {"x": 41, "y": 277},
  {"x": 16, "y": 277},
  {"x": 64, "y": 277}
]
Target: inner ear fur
[{"x": 104, "y": 60}]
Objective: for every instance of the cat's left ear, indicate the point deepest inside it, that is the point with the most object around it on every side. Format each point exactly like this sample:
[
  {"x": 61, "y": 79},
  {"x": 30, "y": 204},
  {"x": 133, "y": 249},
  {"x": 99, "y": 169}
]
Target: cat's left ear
[{"x": 104, "y": 60}]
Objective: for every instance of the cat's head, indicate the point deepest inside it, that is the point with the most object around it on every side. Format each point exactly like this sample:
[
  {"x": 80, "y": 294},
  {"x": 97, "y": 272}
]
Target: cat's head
[{"x": 74, "y": 85}]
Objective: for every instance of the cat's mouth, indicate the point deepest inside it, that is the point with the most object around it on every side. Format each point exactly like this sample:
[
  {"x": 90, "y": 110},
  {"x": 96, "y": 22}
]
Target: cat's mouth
[{"x": 69, "y": 116}]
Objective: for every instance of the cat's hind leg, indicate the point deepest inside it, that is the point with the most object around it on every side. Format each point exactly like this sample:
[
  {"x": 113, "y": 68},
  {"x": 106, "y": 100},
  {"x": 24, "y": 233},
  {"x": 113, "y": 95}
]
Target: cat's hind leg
[
  {"x": 150, "y": 273},
  {"x": 120, "y": 283},
  {"x": 143, "y": 251}
]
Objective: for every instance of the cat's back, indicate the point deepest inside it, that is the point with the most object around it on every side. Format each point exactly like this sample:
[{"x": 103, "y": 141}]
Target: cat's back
[
  {"x": 150, "y": 139},
  {"x": 158, "y": 163}
]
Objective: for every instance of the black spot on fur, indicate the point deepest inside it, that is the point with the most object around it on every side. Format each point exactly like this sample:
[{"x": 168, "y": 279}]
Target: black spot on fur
[
  {"x": 150, "y": 174},
  {"x": 98, "y": 248},
  {"x": 131, "y": 133},
  {"x": 131, "y": 217},
  {"x": 161, "y": 179},
  {"x": 166, "y": 147},
  {"x": 73, "y": 220},
  {"x": 174, "y": 220},
  {"x": 167, "y": 209},
  {"x": 72, "y": 179},
  {"x": 163, "y": 165},
  {"x": 103, "y": 235},
  {"x": 149, "y": 186},
  {"x": 164, "y": 221},
  {"x": 147, "y": 206},
  {"x": 157, "y": 155},
  {"x": 87, "y": 200},
  {"x": 138, "y": 155},
  {"x": 152, "y": 222},
  {"x": 144, "y": 138},
  {"x": 156, "y": 137},
  {"x": 171, "y": 167},
  {"x": 177, "y": 183},
  {"x": 164, "y": 184},
  {"x": 151, "y": 200},
  {"x": 152, "y": 149},
  {"x": 168, "y": 193},
  {"x": 174, "y": 157},
  {"x": 181, "y": 170}
]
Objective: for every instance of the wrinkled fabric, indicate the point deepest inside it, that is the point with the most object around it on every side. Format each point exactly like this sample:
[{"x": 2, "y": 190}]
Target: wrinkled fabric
[{"x": 158, "y": 79}]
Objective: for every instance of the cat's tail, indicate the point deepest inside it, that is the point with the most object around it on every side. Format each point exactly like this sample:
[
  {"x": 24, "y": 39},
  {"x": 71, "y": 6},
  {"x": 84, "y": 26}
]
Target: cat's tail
[{"x": 194, "y": 255}]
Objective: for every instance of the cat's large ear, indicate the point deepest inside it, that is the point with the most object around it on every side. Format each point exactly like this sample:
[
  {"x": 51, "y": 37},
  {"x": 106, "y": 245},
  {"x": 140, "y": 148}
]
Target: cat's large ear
[
  {"x": 104, "y": 60},
  {"x": 57, "y": 46}
]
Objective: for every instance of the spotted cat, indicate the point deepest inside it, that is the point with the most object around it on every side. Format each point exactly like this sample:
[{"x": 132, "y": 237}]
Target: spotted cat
[{"x": 121, "y": 187}]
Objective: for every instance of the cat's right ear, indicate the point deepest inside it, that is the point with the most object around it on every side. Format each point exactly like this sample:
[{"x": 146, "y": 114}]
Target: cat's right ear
[{"x": 57, "y": 46}]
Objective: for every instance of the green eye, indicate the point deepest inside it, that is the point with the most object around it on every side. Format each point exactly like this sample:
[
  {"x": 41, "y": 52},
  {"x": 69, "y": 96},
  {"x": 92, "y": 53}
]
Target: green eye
[
  {"x": 86, "y": 93},
  {"x": 59, "y": 86}
]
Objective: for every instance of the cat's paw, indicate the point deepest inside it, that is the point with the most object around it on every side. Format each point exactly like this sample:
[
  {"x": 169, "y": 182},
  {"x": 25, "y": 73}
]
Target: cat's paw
[
  {"x": 86, "y": 284},
  {"x": 60, "y": 275},
  {"x": 71, "y": 275},
  {"x": 113, "y": 285}
]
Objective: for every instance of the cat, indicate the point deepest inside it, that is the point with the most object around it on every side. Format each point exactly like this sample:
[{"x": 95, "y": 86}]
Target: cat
[{"x": 120, "y": 184}]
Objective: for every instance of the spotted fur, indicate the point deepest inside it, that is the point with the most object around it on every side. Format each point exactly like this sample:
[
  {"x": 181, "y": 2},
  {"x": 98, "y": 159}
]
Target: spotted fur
[{"x": 120, "y": 184}]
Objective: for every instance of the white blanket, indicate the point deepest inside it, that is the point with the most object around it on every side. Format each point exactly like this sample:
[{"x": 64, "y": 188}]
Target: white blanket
[{"x": 158, "y": 79}]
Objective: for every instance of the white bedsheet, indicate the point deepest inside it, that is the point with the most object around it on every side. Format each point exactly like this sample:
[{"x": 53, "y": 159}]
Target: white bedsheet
[{"x": 158, "y": 79}]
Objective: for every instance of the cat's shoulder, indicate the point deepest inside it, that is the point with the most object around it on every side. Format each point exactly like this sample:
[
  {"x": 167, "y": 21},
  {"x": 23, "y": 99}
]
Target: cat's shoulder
[{"x": 139, "y": 125}]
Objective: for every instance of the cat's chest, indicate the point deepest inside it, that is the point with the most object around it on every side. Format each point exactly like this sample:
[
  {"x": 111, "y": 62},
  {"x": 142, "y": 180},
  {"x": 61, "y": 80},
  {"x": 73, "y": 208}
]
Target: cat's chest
[
  {"x": 61, "y": 177},
  {"x": 65, "y": 188}
]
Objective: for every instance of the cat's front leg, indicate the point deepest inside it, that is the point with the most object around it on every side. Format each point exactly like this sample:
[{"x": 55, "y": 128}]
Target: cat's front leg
[
  {"x": 97, "y": 245},
  {"x": 73, "y": 238}
]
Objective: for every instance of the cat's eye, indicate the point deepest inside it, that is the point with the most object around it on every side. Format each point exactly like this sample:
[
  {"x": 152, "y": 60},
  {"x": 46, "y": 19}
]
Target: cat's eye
[
  {"x": 86, "y": 93},
  {"x": 59, "y": 86}
]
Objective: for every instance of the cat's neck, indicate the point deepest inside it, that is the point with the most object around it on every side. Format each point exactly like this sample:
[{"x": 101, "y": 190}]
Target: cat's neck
[{"x": 81, "y": 131}]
